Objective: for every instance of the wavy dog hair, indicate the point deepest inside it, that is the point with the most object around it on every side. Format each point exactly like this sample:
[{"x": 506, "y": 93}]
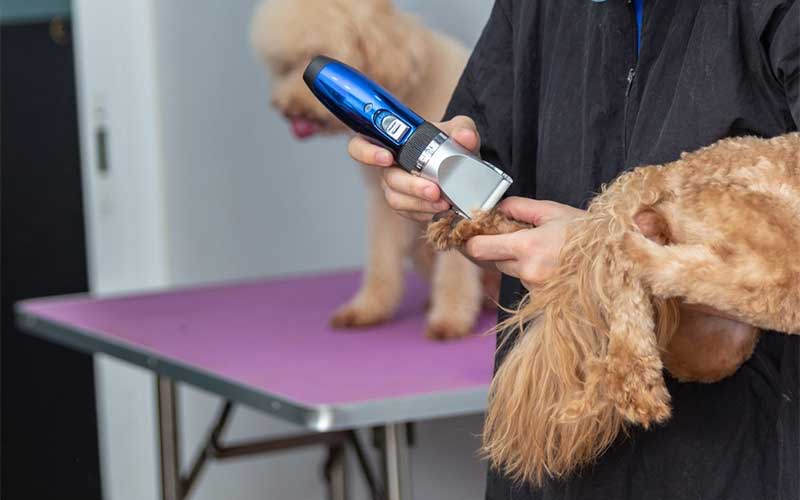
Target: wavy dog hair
[
  {"x": 587, "y": 360},
  {"x": 551, "y": 409}
]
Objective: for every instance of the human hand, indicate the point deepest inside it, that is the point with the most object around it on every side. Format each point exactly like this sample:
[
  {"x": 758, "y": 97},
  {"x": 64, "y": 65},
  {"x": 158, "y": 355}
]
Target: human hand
[
  {"x": 411, "y": 196},
  {"x": 529, "y": 254}
]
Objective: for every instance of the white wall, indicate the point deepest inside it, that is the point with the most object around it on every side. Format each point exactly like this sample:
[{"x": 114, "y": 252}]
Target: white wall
[
  {"x": 241, "y": 199},
  {"x": 125, "y": 224}
]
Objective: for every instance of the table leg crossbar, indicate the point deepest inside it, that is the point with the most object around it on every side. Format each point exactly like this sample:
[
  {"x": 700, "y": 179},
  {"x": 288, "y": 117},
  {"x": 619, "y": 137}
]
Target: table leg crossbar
[{"x": 175, "y": 486}]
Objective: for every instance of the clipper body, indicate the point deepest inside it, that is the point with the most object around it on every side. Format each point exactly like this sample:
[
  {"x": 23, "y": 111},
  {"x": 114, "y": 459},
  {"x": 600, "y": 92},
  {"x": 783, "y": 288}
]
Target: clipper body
[{"x": 466, "y": 181}]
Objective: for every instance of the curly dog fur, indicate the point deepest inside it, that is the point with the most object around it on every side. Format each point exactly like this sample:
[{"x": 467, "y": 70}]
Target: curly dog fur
[
  {"x": 594, "y": 339},
  {"x": 419, "y": 66}
]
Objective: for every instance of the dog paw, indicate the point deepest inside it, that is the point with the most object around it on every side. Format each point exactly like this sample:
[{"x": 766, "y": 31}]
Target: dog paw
[
  {"x": 637, "y": 390},
  {"x": 355, "y": 315},
  {"x": 450, "y": 230},
  {"x": 440, "y": 232},
  {"x": 447, "y": 330}
]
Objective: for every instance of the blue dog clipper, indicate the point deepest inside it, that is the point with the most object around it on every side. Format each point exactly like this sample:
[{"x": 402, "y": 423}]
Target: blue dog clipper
[{"x": 419, "y": 147}]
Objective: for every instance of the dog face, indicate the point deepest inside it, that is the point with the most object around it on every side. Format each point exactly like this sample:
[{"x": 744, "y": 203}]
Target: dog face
[{"x": 366, "y": 34}]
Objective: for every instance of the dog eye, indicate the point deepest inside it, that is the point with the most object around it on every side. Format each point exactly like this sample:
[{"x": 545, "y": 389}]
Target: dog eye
[{"x": 286, "y": 67}]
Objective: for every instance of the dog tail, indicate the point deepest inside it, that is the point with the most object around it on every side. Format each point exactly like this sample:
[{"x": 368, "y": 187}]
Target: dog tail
[{"x": 586, "y": 360}]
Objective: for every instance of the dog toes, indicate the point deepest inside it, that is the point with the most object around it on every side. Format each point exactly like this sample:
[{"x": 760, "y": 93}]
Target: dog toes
[
  {"x": 637, "y": 390},
  {"x": 646, "y": 406},
  {"x": 353, "y": 316},
  {"x": 444, "y": 330},
  {"x": 440, "y": 232}
]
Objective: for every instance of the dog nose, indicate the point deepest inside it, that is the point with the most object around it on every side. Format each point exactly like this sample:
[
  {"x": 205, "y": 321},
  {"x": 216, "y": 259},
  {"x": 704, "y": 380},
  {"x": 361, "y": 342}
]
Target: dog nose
[{"x": 291, "y": 105}]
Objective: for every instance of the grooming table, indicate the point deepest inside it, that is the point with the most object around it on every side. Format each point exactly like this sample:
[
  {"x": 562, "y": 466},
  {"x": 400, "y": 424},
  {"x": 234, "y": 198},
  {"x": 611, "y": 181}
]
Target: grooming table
[{"x": 267, "y": 344}]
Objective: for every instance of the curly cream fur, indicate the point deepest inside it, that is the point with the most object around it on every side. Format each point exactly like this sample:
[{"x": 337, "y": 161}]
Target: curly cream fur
[
  {"x": 419, "y": 66},
  {"x": 588, "y": 359}
]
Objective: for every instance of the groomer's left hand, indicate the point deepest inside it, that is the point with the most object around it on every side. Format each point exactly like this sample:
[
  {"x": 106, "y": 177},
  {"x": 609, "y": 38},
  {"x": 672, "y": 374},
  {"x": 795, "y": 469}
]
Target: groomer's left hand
[{"x": 530, "y": 254}]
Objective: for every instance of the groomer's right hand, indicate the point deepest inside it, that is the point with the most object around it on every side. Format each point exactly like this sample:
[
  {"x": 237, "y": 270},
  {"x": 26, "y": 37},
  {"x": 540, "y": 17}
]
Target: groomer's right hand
[{"x": 411, "y": 196}]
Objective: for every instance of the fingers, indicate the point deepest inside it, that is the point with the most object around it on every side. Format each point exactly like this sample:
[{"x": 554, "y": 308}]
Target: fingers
[
  {"x": 405, "y": 203},
  {"x": 418, "y": 198},
  {"x": 363, "y": 151},
  {"x": 402, "y": 182},
  {"x": 536, "y": 212},
  {"x": 531, "y": 273},
  {"x": 513, "y": 254},
  {"x": 463, "y": 130},
  {"x": 483, "y": 264},
  {"x": 424, "y": 217},
  {"x": 492, "y": 248},
  {"x": 509, "y": 268}
]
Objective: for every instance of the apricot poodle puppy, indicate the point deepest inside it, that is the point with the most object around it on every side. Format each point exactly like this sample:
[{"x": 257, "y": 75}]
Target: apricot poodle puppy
[
  {"x": 723, "y": 231},
  {"x": 421, "y": 68}
]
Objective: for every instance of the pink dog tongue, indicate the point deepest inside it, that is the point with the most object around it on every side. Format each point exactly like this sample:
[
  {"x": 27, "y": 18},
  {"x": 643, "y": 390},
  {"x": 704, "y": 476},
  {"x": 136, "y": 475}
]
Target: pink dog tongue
[{"x": 302, "y": 128}]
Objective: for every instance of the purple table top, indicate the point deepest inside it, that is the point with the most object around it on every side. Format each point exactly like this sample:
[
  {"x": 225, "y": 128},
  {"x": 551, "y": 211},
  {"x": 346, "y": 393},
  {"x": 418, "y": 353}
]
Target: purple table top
[{"x": 268, "y": 344}]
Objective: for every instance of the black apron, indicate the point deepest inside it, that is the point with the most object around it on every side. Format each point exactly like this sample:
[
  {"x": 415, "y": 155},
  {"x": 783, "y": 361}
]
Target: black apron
[{"x": 563, "y": 104}]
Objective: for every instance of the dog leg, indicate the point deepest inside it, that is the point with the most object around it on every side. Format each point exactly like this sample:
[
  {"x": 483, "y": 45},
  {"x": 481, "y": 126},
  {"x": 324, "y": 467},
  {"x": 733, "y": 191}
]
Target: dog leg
[
  {"x": 630, "y": 374},
  {"x": 456, "y": 297},
  {"x": 390, "y": 239},
  {"x": 753, "y": 291}
]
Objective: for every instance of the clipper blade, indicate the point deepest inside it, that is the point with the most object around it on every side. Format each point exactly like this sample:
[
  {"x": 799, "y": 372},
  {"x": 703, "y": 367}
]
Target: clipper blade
[{"x": 468, "y": 183}]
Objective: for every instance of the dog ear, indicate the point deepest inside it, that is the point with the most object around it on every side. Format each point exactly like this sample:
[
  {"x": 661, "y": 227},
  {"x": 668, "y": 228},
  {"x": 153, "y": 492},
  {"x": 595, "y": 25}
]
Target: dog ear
[{"x": 394, "y": 49}]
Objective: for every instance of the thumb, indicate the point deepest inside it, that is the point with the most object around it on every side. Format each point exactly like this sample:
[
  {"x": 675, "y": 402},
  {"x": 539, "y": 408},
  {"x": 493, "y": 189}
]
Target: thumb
[
  {"x": 536, "y": 212},
  {"x": 464, "y": 131}
]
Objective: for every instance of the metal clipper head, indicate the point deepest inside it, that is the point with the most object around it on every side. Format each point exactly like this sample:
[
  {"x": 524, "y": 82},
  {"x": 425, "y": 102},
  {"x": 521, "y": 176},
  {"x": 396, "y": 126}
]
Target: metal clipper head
[{"x": 467, "y": 182}]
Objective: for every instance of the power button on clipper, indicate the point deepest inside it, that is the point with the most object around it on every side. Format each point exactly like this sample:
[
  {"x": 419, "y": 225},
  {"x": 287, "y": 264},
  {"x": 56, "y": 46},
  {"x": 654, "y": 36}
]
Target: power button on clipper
[{"x": 394, "y": 127}]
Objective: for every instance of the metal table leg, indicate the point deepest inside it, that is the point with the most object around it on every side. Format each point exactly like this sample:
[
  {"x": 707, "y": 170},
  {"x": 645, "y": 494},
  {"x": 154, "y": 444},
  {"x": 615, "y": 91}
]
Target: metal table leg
[
  {"x": 168, "y": 439},
  {"x": 336, "y": 472},
  {"x": 396, "y": 460},
  {"x": 376, "y": 490},
  {"x": 174, "y": 486}
]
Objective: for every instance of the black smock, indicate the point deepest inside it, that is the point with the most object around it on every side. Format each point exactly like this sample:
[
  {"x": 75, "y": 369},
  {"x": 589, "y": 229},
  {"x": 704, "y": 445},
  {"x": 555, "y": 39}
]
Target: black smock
[{"x": 563, "y": 104}]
